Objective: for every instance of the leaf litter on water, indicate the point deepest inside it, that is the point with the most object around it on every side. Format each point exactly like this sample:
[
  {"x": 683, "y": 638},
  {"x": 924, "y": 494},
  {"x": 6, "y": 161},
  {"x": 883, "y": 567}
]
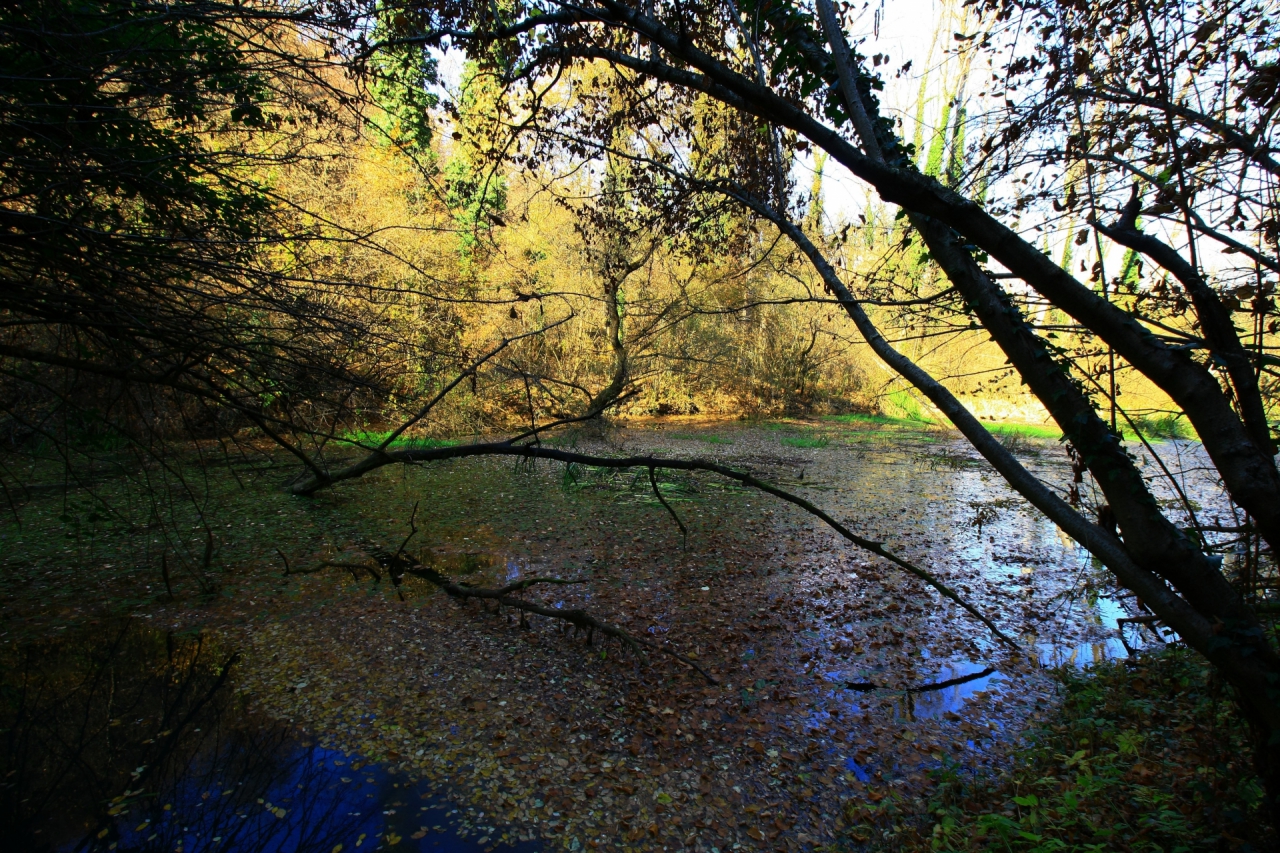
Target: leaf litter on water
[{"x": 550, "y": 738}]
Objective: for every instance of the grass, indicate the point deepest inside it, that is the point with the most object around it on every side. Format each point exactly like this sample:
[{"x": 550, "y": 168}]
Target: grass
[
  {"x": 1142, "y": 755},
  {"x": 373, "y": 439},
  {"x": 1158, "y": 426},
  {"x": 905, "y": 403},
  {"x": 1049, "y": 431},
  {"x": 877, "y": 420},
  {"x": 1152, "y": 427}
]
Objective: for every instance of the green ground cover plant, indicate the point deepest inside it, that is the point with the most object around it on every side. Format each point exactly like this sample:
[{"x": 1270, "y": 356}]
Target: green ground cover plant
[
  {"x": 859, "y": 419},
  {"x": 366, "y": 438},
  {"x": 1145, "y": 754},
  {"x": 1160, "y": 425},
  {"x": 1047, "y": 431}
]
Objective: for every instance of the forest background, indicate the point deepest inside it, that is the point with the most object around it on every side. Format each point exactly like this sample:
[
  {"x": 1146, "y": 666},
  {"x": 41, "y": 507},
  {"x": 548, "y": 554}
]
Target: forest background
[{"x": 404, "y": 214}]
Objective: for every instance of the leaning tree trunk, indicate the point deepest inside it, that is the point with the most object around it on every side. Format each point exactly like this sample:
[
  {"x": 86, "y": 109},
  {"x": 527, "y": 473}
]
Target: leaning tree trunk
[
  {"x": 1150, "y": 554},
  {"x": 1228, "y": 632},
  {"x": 1154, "y": 559}
]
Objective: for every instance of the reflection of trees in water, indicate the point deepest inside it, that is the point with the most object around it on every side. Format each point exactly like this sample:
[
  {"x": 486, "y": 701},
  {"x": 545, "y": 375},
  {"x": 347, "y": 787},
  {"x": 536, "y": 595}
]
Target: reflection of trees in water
[
  {"x": 132, "y": 736},
  {"x": 264, "y": 793}
]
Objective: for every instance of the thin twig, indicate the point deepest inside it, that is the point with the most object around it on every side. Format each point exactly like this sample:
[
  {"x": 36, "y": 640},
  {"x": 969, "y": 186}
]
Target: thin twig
[
  {"x": 577, "y": 617},
  {"x": 657, "y": 493}
]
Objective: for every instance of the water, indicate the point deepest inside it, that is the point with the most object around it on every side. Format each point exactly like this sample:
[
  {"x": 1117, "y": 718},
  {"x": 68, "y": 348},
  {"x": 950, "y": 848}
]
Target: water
[
  {"x": 124, "y": 737},
  {"x": 925, "y": 664},
  {"x": 954, "y": 683},
  {"x": 317, "y": 799},
  {"x": 962, "y": 522}
]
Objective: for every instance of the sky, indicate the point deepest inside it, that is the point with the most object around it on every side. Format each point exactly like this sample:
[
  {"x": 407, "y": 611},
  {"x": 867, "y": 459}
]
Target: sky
[{"x": 905, "y": 33}]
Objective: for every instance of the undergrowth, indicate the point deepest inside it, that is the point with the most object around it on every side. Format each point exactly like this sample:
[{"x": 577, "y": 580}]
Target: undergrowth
[
  {"x": 364, "y": 438},
  {"x": 1048, "y": 431},
  {"x": 1143, "y": 755},
  {"x": 1159, "y": 426},
  {"x": 857, "y": 418}
]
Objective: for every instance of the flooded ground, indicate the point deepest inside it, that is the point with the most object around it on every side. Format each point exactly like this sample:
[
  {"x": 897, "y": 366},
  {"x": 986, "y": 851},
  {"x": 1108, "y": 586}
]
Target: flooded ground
[
  {"x": 122, "y": 736},
  {"x": 324, "y": 710}
]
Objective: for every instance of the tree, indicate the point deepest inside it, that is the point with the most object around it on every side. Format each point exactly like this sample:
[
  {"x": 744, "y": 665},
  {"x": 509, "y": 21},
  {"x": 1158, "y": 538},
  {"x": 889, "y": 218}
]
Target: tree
[
  {"x": 155, "y": 279},
  {"x": 1193, "y": 89}
]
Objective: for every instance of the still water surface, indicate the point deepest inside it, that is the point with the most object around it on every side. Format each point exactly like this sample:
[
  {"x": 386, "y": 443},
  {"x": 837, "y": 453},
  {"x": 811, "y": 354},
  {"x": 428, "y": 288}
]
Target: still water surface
[{"x": 122, "y": 736}]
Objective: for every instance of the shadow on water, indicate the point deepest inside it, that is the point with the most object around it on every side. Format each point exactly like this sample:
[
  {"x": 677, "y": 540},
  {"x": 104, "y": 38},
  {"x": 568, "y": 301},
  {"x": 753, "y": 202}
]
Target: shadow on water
[{"x": 124, "y": 737}]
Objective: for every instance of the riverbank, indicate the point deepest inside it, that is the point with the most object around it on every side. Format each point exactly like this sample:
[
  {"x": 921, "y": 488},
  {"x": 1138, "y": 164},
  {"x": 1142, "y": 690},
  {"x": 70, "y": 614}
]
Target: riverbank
[{"x": 1143, "y": 754}]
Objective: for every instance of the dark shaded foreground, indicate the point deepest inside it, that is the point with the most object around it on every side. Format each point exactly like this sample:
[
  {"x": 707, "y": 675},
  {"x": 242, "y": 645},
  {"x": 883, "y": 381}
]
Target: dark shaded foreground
[
  {"x": 844, "y": 684},
  {"x": 123, "y": 737}
]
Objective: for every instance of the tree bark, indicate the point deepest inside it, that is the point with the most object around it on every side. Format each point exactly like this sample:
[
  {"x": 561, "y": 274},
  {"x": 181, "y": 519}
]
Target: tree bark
[
  {"x": 1249, "y": 473},
  {"x": 1208, "y": 612}
]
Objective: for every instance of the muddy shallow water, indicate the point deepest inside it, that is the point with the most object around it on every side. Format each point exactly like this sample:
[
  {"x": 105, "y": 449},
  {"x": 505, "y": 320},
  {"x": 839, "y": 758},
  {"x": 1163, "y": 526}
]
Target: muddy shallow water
[{"x": 362, "y": 716}]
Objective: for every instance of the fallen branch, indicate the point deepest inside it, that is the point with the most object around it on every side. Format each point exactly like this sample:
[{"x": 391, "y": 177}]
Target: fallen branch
[
  {"x": 311, "y": 484},
  {"x": 657, "y": 493},
  {"x": 580, "y": 619},
  {"x": 400, "y": 564},
  {"x": 481, "y": 592},
  {"x": 924, "y": 688},
  {"x": 1149, "y": 621},
  {"x": 326, "y": 564}
]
